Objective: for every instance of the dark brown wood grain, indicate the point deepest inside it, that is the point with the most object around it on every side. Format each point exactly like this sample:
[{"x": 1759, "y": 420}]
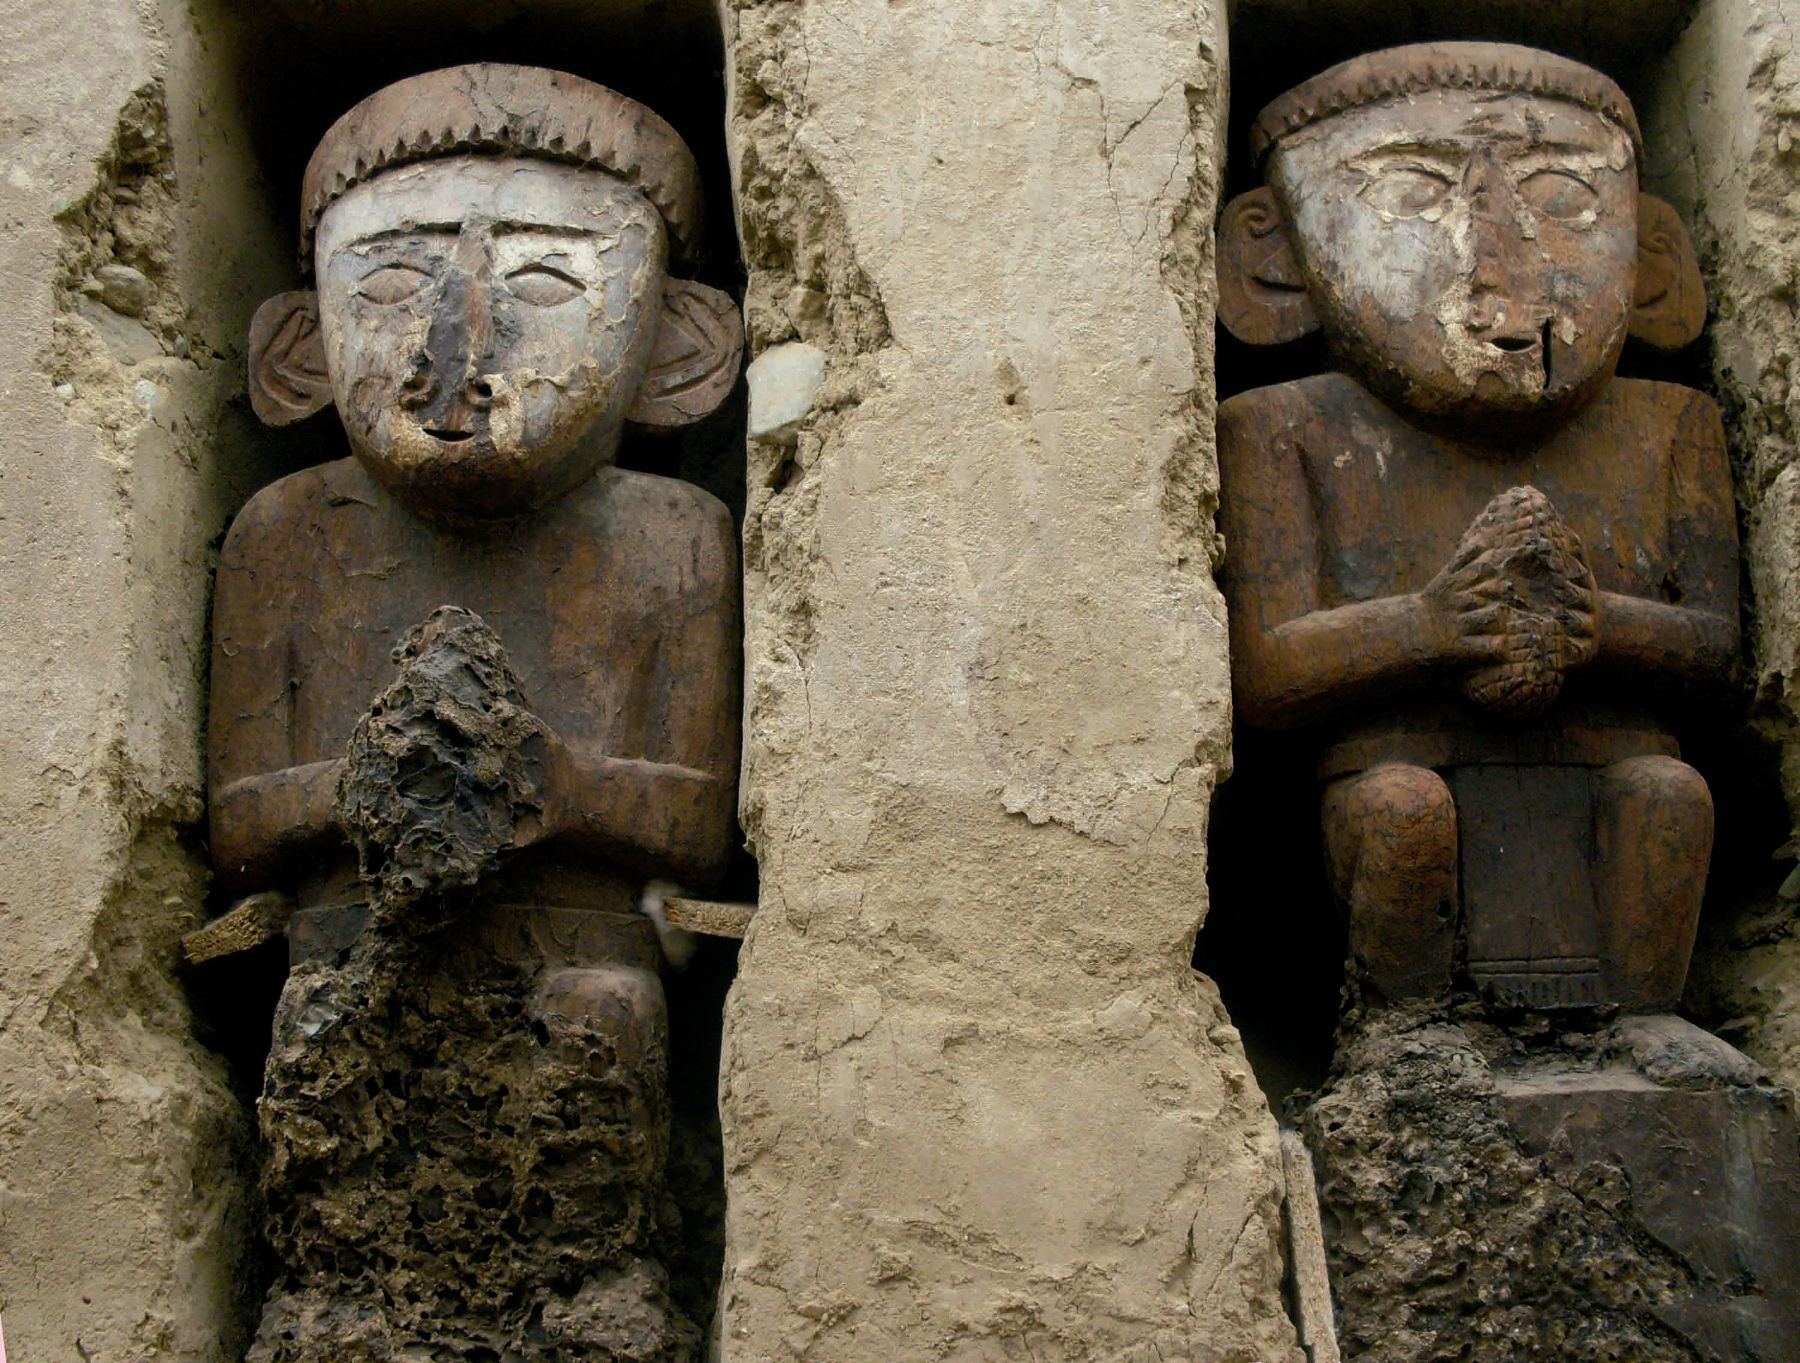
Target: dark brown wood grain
[
  {"x": 508, "y": 672},
  {"x": 1480, "y": 568}
]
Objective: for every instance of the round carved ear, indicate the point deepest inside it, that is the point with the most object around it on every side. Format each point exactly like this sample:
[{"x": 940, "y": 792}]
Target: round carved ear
[
  {"x": 1262, "y": 294},
  {"x": 288, "y": 381},
  {"x": 1668, "y": 308},
  {"x": 699, "y": 346}
]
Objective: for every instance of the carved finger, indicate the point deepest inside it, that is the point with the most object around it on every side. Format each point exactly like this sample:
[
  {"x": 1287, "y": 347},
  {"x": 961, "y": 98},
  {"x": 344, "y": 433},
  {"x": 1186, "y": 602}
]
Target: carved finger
[
  {"x": 1579, "y": 646},
  {"x": 1569, "y": 589},
  {"x": 1486, "y": 591},
  {"x": 1578, "y": 615},
  {"x": 1486, "y": 650},
  {"x": 1496, "y": 619},
  {"x": 1474, "y": 544}
]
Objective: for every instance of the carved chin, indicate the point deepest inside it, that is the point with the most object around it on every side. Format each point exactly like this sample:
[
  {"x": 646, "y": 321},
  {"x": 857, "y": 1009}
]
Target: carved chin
[
  {"x": 1510, "y": 383},
  {"x": 491, "y": 471}
]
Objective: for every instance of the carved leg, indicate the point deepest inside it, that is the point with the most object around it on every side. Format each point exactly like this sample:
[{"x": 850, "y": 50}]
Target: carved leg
[
  {"x": 472, "y": 1167},
  {"x": 1653, "y": 828},
  {"x": 1390, "y": 841},
  {"x": 607, "y": 1026},
  {"x": 600, "y": 1166}
]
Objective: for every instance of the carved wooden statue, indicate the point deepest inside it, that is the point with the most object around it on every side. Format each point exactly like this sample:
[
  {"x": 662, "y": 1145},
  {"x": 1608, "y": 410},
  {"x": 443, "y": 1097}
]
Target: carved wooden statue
[
  {"x": 1482, "y": 566},
  {"x": 493, "y": 308}
]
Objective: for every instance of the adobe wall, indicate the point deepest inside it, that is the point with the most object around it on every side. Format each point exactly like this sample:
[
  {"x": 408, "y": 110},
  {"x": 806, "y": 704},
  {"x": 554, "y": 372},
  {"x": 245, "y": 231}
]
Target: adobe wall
[
  {"x": 1724, "y": 142},
  {"x": 136, "y": 240},
  {"x": 976, "y": 1104}
]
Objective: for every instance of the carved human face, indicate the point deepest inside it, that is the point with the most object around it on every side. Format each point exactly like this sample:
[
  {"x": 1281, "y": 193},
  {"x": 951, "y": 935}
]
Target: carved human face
[
  {"x": 1470, "y": 253},
  {"x": 487, "y": 322}
]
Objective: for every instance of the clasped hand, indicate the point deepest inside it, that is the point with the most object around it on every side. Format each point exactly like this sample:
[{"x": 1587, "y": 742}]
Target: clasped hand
[
  {"x": 449, "y": 768},
  {"x": 1516, "y": 607}
]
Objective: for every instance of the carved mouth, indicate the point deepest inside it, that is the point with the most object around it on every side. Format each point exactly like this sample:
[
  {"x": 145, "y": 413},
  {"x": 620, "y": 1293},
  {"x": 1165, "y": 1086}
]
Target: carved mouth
[
  {"x": 1526, "y": 343},
  {"x": 448, "y": 437},
  {"x": 1514, "y": 345}
]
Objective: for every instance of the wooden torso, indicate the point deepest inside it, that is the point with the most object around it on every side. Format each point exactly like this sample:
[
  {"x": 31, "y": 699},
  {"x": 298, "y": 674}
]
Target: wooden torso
[{"x": 616, "y": 604}]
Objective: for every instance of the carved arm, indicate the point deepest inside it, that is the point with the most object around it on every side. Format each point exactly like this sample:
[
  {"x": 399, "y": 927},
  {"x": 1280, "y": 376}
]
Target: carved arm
[
  {"x": 1694, "y": 638},
  {"x": 656, "y": 818},
  {"x": 1649, "y": 636},
  {"x": 260, "y": 821},
  {"x": 670, "y": 813},
  {"x": 1307, "y": 667}
]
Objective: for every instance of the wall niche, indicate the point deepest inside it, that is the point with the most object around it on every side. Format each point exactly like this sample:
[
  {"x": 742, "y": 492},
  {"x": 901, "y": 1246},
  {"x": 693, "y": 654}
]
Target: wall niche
[
  {"x": 302, "y": 65},
  {"x": 1502, "y": 1018},
  {"x": 1288, "y": 1003}
]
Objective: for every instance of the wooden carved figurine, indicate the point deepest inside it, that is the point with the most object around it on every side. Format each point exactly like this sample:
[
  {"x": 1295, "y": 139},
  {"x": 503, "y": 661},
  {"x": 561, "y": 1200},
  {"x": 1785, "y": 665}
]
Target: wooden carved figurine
[
  {"x": 1481, "y": 566},
  {"x": 493, "y": 307}
]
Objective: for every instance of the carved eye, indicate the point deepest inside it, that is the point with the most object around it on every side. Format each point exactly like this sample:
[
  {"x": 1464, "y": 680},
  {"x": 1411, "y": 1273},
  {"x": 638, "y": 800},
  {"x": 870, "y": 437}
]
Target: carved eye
[
  {"x": 542, "y": 286},
  {"x": 1406, "y": 191},
  {"x": 1557, "y": 194},
  {"x": 391, "y": 284}
]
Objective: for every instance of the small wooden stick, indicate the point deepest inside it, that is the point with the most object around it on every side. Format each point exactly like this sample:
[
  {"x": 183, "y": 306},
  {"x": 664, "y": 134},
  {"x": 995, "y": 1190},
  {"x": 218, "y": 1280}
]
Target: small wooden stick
[
  {"x": 1306, "y": 1252},
  {"x": 709, "y": 917},
  {"x": 248, "y": 923}
]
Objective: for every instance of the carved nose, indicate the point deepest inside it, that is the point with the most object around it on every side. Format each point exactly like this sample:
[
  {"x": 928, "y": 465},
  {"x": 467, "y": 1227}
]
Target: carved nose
[
  {"x": 1500, "y": 271},
  {"x": 451, "y": 390},
  {"x": 420, "y": 386}
]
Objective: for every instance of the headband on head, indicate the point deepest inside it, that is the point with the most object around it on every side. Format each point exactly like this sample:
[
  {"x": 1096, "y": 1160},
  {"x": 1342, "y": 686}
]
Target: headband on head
[
  {"x": 1398, "y": 72},
  {"x": 495, "y": 108}
]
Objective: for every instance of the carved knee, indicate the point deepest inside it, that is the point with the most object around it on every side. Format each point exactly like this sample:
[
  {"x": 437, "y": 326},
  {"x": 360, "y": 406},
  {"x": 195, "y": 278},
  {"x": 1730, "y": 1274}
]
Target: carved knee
[
  {"x": 603, "y": 1073},
  {"x": 1393, "y": 821},
  {"x": 1666, "y": 781},
  {"x": 623, "y": 1004},
  {"x": 1653, "y": 830},
  {"x": 1390, "y": 836}
]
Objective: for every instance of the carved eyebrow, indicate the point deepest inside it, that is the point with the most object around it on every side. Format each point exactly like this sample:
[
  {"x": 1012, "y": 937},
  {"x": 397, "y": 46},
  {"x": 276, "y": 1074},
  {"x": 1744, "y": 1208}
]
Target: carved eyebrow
[
  {"x": 542, "y": 229},
  {"x": 1558, "y": 149},
  {"x": 454, "y": 229},
  {"x": 1435, "y": 148},
  {"x": 423, "y": 229}
]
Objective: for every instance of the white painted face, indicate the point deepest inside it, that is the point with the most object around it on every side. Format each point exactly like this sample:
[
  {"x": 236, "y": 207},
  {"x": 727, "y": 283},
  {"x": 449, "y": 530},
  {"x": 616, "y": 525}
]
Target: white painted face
[
  {"x": 487, "y": 321},
  {"x": 1470, "y": 251}
]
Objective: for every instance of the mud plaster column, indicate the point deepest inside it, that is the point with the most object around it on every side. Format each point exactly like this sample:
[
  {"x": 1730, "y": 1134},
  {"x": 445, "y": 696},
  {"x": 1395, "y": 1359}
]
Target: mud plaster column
[
  {"x": 134, "y": 243},
  {"x": 976, "y": 1104},
  {"x": 1725, "y": 146}
]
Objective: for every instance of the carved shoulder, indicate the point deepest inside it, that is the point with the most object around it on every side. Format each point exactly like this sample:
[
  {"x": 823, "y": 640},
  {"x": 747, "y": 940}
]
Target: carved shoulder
[
  {"x": 1688, "y": 437},
  {"x": 1264, "y": 436},
  {"x": 1253, "y": 423},
  {"x": 658, "y": 496},
  {"x": 1702, "y": 419},
  {"x": 1688, "y": 404},
  {"x": 267, "y": 533},
  {"x": 1246, "y": 420},
  {"x": 680, "y": 533}
]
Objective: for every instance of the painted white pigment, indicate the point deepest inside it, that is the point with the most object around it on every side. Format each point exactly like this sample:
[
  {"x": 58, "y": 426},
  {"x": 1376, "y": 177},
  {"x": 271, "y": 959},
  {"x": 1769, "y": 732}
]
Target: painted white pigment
[{"x": 976, "y": 1104}]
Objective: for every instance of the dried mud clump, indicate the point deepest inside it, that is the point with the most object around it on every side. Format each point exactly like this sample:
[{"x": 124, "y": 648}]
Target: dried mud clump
[
  {"x": 1489, "y": 1205},
  {"x": 466, "y": 1153},
  {"x": 440, "y": 778},
  {"x": 462, "y": 1173}
]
